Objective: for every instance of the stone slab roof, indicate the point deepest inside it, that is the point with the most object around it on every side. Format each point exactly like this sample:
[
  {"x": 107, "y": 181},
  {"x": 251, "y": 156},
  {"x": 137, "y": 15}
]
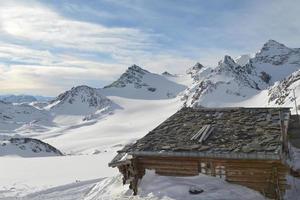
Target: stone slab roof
[{"x": 232, "y": 130}]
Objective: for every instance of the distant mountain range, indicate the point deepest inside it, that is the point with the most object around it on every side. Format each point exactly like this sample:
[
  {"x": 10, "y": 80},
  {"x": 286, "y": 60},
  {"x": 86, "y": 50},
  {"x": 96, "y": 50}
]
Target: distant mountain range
[{"x": 23, "y": 98}]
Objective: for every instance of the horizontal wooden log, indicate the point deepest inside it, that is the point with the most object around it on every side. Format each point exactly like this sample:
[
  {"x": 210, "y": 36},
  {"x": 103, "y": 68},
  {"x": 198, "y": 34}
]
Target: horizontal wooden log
[
  {"x": 223, "y": 160},
  {"x": 177, "y": 171},
  {"x": 255, "y": 165},
  {"x": 253, "y": 180},
  {"x": 168, "y": 162},
  {"x": 157, "y": 166},
  {"x": 261, "y": 186},
  {"x": 162, "y": 173}
]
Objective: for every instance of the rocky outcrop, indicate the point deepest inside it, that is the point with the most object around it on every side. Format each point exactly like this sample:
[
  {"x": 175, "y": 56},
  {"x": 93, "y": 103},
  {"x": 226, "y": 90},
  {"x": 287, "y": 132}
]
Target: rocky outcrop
[{"x": 168, "y": 74}]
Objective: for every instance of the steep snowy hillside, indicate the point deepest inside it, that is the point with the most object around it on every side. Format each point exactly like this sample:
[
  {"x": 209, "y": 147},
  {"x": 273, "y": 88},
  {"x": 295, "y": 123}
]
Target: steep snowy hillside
[
  {"x": 80, "y": 100},
  {"x": 137, "y": 83},
  {"x": 13, "y": 117},
  {"x": 26, "y": 147},
  {"x": 282, "y": 92},
  {"x": 18, "y": 98}
]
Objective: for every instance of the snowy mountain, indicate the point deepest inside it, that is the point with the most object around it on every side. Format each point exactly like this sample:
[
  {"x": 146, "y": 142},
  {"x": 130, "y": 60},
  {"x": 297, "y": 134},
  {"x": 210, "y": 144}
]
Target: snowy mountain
[
  {"x": 27, "y": 147},
  {"x": 18, "y": 98},
  {"x": 138, "y": 83},
  {"x": 232, "y": 82},
  {"x": 225, "y": 83},
  {"x": 16, "y": 116},
  {"x": 275, "y": 60},
  {"x": 80, "y": 100}
]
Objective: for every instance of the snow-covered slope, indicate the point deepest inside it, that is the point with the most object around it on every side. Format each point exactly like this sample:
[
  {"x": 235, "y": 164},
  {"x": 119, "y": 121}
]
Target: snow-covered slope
[
  {"x": 80, "y": 100},
  {"x": 282, "y": 92},
  {"x": 27, "y": 147},
  {"x": 18, "y": 98},
  {"x": 155, "y": 187},
  {"x": 137, "y": 83},
  {"x": 13, "y": 117}
]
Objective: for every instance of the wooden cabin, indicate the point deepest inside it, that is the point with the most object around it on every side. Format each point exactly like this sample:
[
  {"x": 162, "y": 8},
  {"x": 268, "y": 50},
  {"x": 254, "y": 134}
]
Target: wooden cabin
[{"x": 246, "y": 146}]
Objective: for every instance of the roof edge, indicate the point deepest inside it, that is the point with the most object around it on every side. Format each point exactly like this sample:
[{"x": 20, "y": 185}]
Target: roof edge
[{"x": 253, "y": 156}]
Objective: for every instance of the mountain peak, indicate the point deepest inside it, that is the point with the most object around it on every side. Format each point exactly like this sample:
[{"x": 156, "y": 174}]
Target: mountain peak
[
  {"x": 194, "y": 71},
  {"x": 273, "y": 46},
  {"x": 273, "y": 43},
  {"x": 166, "y": 73},
  {"x": 274, "y": 53},
  {"x": 80, "y": 100},
  {"x": 133, "y": 75},
  {"x": 226, "y": 62},
  {"x": 137, "y": 69}
]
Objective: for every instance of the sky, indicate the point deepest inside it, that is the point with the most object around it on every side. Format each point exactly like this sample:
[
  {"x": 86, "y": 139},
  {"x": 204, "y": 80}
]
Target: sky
[{"x": 47, "y": 47}]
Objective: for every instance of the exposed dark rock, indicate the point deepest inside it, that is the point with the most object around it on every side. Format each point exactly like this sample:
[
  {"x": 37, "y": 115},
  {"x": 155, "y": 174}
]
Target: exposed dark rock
[
  {"x": 151, "y": 89},
  {"x": 168, "y": 74},
  {"x": 265, "y": 77}
]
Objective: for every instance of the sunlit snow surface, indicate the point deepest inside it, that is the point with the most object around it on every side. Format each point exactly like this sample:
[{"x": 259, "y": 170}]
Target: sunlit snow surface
[{"x": 152, "y": 187}]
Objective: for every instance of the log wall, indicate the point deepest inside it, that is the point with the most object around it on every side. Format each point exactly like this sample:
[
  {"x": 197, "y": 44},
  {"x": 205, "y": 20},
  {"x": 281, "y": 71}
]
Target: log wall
[{"x": 265, "y": 176}]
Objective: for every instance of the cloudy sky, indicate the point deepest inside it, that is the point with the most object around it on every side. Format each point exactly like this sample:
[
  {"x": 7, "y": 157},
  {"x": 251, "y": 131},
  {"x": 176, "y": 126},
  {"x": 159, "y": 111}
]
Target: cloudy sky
[{"x": 47, "y": 47}]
